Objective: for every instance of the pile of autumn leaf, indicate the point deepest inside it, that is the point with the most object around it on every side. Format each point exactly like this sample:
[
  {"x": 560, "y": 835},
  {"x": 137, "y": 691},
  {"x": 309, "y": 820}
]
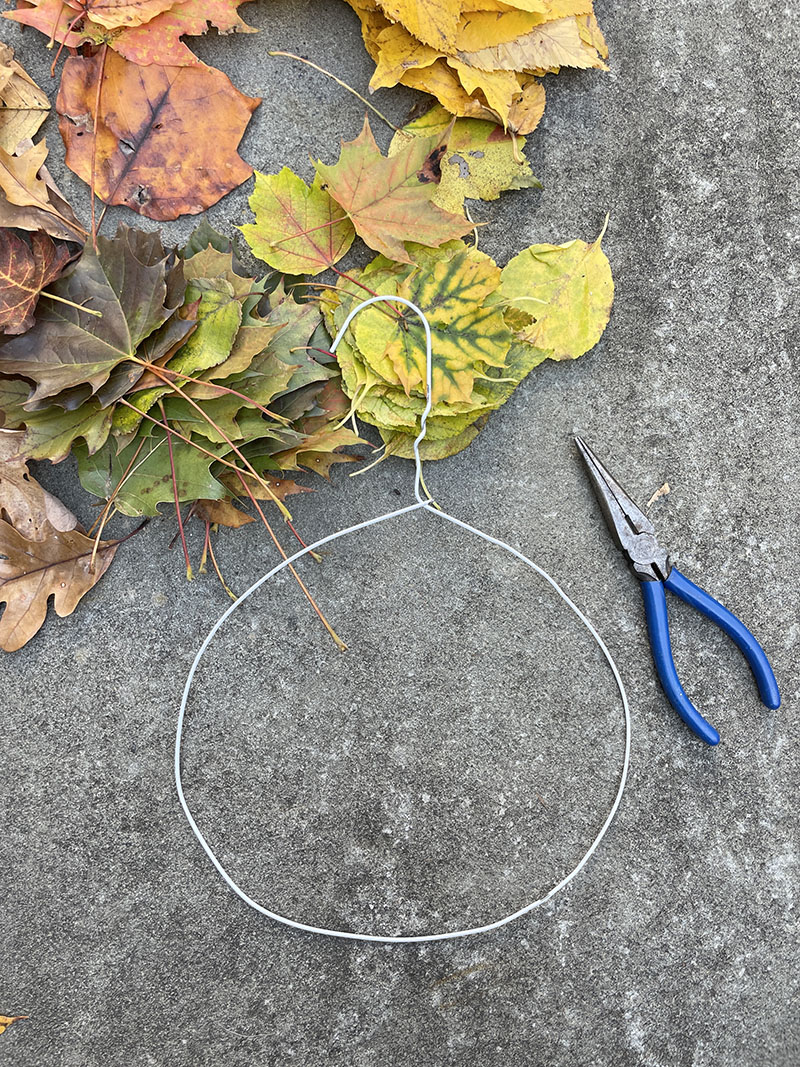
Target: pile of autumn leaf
[
  {"x": 174, "y": 376},
  {"x": 480, "y": 58}
]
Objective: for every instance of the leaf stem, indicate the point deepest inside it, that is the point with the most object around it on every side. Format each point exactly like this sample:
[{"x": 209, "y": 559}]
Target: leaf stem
[
  {"x": 102, "y": 518},
  {"x": 93, "y": 181},
  {"x": 189, "y": 574},
  {"x": 107, "y": 514},
  {"x": 338, "y": 641},
  {"x": 187, "y": 440},
  {"x": 214, "y": 563},
  {"x": 154, "y": 367},
  {"x": 81, "y": 14},
  {"x": 344, "y": 85},
  {"x": 72, "y": 304}
]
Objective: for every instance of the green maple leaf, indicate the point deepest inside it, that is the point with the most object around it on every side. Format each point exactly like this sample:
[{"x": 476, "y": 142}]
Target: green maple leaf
[
  {"x": 298, "y": 230},
  {"x": 149, "y": 481}
]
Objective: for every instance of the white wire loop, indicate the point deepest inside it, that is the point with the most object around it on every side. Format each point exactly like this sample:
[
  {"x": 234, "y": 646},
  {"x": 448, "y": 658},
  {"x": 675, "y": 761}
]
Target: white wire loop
[{"x": 428, "y": 506}]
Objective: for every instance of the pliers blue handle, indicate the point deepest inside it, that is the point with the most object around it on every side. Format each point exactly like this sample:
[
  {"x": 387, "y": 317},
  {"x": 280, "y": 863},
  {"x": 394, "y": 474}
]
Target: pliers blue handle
[
  {"x": 635, "y": 536},
  {"x": 655, "y": 606}
]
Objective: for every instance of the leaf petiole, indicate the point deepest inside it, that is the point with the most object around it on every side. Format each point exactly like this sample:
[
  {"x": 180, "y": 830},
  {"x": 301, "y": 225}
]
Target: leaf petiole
[
  {"x": 344, "y": 85},
  {"x": 72, "y": 304}
]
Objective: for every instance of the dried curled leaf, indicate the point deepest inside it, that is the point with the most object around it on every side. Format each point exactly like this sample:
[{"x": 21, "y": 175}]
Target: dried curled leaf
[
  {"x": 29, "y": 199},
  {"x": 23, "y": 105},
  {"x": 25, "y": 504},
  {"x": 167, "y": 137},
  {"x": 116, "y": 14},
  {"x": 390, "y": 200},
  {"x": 25, "y": 269}
]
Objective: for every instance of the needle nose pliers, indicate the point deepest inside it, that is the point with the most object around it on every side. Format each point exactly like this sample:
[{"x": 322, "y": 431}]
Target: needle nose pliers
[{"x": 635, "y": 536}]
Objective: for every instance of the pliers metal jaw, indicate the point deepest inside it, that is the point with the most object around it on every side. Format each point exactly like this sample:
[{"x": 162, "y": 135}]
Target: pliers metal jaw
[{"x": 635, "y": 536}]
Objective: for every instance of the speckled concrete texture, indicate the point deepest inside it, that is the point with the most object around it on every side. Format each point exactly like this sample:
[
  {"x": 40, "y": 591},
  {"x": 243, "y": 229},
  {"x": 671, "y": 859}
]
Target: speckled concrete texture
[{"x": 459, "y": 758}]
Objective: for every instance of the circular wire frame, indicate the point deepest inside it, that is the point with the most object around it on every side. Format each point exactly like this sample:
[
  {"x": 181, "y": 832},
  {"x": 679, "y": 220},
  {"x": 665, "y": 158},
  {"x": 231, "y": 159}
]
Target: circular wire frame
[{"x": 430, "y": 508}]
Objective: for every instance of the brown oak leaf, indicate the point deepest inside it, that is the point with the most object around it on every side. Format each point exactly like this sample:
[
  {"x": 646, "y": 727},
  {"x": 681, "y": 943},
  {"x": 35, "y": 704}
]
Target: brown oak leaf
[
  {"x": 59, "y": 565},
  {"x": 43, "y": 550}
]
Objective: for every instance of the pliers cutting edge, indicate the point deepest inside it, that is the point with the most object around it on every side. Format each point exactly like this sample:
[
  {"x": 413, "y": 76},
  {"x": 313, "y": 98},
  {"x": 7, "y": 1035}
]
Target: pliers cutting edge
[{"x": 635, "y": 536}]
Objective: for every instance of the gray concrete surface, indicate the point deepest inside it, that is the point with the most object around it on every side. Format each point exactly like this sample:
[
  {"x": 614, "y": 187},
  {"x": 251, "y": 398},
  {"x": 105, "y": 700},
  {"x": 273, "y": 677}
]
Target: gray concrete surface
[{"x": 456, "y": 761}]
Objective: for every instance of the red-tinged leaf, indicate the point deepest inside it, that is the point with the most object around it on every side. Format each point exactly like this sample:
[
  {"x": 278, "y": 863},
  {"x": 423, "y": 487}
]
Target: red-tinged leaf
[
  {"x": 156, "y": 41},
  {"x": 390, "y": 200},
  {"x": 116, "y": 14},
  {"x": 160, "y": 40},
  {"x": 24, "y": 271}
]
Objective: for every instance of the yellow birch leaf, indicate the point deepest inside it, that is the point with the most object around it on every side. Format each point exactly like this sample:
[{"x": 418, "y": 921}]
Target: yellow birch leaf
[
  {"x": 566, "y": 292},
  {"x": 297, "y": 230},
  {"x": 441, "y": 81},
  {"x": 19, "y": 178},
  {"x": 470, "y": 6},
  {"x": 373, "y": 23},
  {"x": 399, "y": 51},
  {"x": 485, "y": 29},
  {"x": 499, "y": 87},
  {"x": 554, "y": 44},
  {"x": 591, "y": 34},
  {"x": 23, "y": 105},
  {"x": 435, "y": 22},
  {"x": 7, "y": 1020},
  {"x": 390, "y": 200},
  {"x": 526, "y": 111}
]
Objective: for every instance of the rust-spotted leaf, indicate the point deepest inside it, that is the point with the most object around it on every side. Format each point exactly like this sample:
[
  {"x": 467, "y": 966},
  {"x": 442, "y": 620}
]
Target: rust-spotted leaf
[{"x": 167, "y": 137}]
